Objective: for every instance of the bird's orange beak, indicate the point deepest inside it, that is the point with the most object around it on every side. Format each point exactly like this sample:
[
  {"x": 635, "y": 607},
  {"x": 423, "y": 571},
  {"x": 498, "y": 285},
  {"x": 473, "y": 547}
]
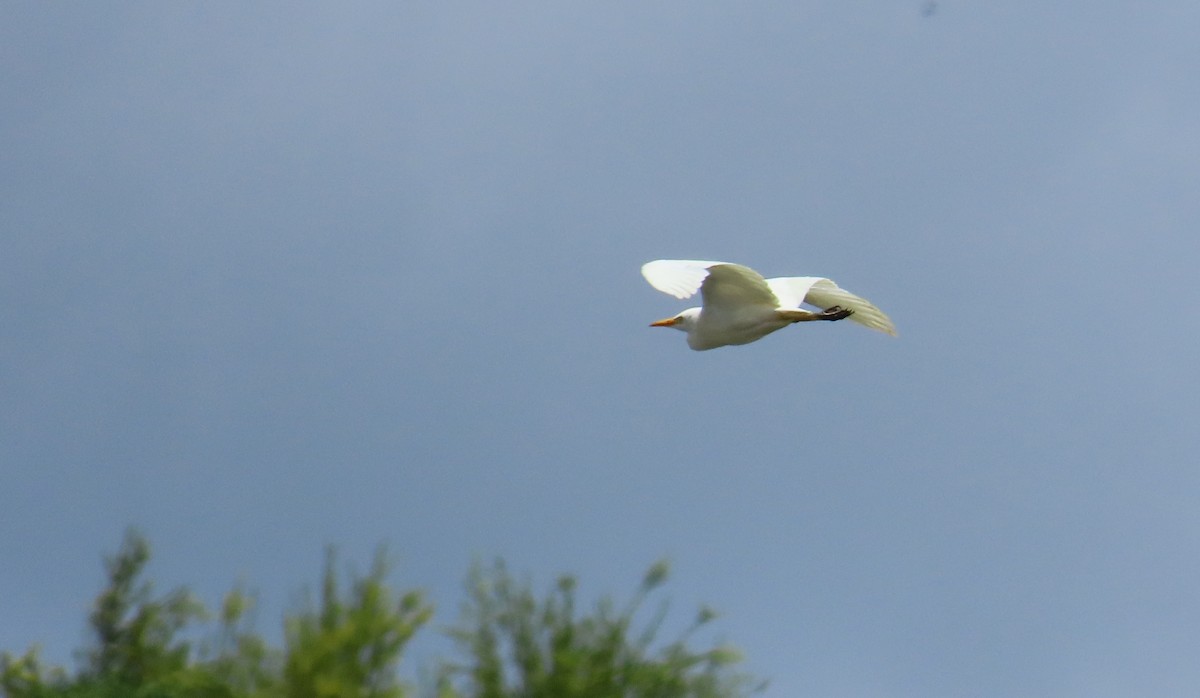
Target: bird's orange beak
[{"x": 665, "y": 323}]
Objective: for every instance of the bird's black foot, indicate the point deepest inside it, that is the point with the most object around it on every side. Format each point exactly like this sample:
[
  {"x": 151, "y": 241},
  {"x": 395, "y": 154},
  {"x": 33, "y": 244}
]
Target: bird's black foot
[{"x": 837, "y": 312}]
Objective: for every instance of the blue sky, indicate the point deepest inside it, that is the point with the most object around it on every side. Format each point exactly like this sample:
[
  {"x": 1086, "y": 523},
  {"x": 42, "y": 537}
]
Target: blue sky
[{"x": 280, "y": 276}]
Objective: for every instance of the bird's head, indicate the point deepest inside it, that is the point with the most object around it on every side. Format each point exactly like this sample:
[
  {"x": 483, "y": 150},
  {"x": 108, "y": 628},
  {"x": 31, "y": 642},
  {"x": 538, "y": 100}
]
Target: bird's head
[{"x": 684, "y": 321}]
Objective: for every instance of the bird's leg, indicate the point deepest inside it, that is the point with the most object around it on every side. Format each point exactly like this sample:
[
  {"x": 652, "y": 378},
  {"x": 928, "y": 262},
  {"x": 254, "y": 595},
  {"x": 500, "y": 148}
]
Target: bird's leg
[{"x": 837, "y": 312}]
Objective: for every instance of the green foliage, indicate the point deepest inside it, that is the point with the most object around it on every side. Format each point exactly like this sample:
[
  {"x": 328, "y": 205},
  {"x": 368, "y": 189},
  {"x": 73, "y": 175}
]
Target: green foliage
[
  {"x": 236, "y": 656},
  {"x": 135, "y": 650},
  {"x": 135, "y": 633},
  {"x": 521, "y": 646},
  {"x": 349, "y": 643},
  {"x": 349, "y": 647},
  {"x": 26, "y": 675}
]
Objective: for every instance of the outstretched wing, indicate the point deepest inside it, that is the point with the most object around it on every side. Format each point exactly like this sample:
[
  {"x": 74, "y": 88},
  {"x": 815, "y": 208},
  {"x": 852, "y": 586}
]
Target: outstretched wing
[
  {"x": 734, "y": 288},
  {"x": 678, "y": 277},
  {"x": 723, "y": 285},
  {"x": 823, "y": 293},
  {"x": 791, "y": 290}
]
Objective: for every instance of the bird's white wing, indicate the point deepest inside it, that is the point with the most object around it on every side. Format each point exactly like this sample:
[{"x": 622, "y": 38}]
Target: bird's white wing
[
  {"x": 678, "y": 277},
  {"x": 823, "y": 293},
  {"x": 724, "y": 285},
  {"x": 791, "y": 290},
  {"x": 734, "y": 288}
]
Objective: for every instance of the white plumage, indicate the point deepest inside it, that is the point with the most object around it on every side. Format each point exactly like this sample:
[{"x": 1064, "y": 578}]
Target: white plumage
[{"x": 740, "y": 306}]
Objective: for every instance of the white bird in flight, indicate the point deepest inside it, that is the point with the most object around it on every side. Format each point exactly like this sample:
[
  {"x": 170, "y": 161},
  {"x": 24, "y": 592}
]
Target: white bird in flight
[{"x": 740, "y": 306}]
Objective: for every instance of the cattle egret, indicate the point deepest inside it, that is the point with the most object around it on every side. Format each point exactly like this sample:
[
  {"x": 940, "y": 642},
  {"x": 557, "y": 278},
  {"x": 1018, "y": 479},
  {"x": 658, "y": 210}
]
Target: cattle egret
[{"x": 740, "y": 306}]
